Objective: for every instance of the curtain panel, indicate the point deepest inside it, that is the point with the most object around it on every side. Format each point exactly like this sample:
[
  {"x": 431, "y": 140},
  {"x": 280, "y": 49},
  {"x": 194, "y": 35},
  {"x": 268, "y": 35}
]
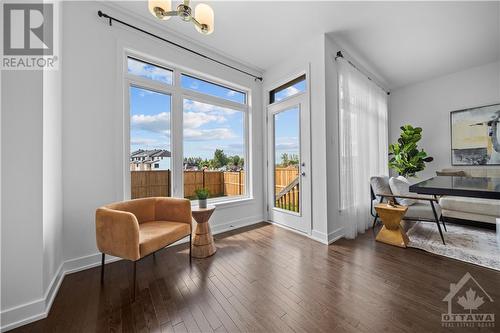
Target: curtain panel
[{"x": 363, "y": 144}]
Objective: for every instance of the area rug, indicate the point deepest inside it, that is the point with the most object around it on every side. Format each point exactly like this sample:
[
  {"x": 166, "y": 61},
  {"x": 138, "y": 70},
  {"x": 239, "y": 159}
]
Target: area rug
[{"x": 470, "y": 244}]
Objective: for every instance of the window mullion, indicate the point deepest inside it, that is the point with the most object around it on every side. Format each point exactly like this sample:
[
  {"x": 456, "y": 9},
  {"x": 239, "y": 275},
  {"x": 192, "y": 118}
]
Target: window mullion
[{"x": 177, "y": 140}]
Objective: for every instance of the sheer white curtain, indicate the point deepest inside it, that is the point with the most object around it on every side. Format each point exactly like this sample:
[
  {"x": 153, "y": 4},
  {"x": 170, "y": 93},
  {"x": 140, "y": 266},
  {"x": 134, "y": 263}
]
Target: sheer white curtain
[{"x": 363, "y": 132}]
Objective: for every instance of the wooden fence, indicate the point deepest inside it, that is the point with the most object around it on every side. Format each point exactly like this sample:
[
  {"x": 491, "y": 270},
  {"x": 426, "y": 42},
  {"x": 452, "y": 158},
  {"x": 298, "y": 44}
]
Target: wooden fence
[
  {"x": 286, "y": 188},
  {"x": 219, "y": 183},
  {"x": 157, "y": 183},
  {"x": 288, "y": 198},
  {"x": 283, "y": 177}
]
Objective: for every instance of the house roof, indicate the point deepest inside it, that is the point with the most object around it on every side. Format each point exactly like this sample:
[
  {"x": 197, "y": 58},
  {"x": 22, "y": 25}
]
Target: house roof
[{"x": 150, "y": 153}]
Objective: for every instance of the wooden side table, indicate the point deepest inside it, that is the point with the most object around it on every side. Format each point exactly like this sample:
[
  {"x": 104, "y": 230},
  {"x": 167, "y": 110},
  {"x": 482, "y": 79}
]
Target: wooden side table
[
  {"x": 392, "y": 233},
  {"x": 203, "y": 242}
]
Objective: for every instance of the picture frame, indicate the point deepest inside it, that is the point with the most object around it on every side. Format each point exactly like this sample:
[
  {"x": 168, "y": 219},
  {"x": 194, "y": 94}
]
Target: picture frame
[{"x": 475, "y": 136}]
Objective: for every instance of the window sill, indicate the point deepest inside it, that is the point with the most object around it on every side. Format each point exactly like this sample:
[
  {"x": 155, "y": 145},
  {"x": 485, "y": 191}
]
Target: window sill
[{"x": 226, "y": 203}]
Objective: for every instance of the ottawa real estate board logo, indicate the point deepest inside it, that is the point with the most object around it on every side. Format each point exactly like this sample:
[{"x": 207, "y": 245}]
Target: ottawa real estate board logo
[
  {"x": 28, "y": 36},
  {"x": 469, "y": 305}
]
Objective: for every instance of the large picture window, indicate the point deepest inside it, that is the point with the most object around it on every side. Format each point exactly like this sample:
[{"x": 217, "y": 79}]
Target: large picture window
[
  {"x": 150, "y": 151},
  {"x": 212, "y": 146},
  {"x": 214, "y": 149}
]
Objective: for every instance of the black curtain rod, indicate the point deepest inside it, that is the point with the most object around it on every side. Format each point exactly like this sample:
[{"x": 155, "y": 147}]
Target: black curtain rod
[
  {"x": 340, "y": 55},
  {"x": 111, "y": 19}
]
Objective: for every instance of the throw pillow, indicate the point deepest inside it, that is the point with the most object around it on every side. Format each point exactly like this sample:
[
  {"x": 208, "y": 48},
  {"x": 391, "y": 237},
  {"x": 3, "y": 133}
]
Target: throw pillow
[{"x": 401, "y": 186}]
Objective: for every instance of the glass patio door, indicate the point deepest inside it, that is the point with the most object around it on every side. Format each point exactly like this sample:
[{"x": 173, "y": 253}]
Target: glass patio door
[{"x": 289, "y": 193}]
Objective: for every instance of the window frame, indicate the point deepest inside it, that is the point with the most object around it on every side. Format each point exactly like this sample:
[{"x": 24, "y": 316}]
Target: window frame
[
  {"x": 147, "y": 62},
  {"x": 178, "y": 94},
  {"x": 299, "y": 78}
]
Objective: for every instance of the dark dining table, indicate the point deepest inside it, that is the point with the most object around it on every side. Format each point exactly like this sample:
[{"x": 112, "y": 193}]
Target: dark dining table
[{"x": 476, "y": 187}]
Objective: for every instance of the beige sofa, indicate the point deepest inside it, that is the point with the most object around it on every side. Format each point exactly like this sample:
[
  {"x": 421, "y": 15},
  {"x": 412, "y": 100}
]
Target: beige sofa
[{"x": 471, "y": 209}]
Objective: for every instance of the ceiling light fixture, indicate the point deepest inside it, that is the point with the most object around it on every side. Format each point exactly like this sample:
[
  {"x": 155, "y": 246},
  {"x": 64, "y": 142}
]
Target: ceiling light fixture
[{"x": 203, "y": 17}]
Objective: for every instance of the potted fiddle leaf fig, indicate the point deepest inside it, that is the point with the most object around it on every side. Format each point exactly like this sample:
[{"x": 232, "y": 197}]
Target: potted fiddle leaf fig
[
  {"x": 202, "y": 195},
  {"x": 405, "y": 157}
]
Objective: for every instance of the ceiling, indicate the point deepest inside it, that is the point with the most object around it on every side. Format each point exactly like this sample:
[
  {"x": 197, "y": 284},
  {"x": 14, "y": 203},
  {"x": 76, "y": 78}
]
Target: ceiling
[{"x": 400, "y": 42}]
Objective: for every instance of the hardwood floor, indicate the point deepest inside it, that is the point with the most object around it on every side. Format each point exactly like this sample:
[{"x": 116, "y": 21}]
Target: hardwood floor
[{"x": 264, "y": 278}]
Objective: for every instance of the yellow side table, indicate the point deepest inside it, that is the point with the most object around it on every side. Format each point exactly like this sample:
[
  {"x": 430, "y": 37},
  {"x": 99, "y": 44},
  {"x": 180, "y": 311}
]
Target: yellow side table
[{"x": 392, "y": 233}]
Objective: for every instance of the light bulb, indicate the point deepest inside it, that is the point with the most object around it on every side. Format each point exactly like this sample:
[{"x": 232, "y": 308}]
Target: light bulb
[
  {"x": 204, "y": 14},
  {"x": 164, "y": 5}
]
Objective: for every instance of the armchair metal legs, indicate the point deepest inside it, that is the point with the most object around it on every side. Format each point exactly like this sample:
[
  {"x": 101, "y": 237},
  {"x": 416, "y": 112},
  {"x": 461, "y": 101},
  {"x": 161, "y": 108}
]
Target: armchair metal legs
[
  {"x": 376, "y": 214},
  {"x": 134, "y": 278},
  {"x": 102, "y": 267},
  {"x": 190, "y": 246},
  {"x": 133, "y": 282},
  {"x": 437, "y": 222}
]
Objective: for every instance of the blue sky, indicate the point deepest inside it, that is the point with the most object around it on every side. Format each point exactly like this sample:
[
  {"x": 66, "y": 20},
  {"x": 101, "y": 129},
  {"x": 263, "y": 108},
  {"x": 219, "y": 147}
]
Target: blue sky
[
  {"x": 150, "y": 119},
  {"x": 206, "y": 127},
  {"x": 286, "y": 133},
  {"x": 290, "y": 91}
]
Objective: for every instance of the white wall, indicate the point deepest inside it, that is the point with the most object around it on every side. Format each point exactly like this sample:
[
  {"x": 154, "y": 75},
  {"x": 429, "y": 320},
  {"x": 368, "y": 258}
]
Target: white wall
[
  {"x": 52, "y": 178},
  {"x": 318, "y": 54},
  {"x": 22, "y": 222},
  {"x": 310, "y": 56},
  {"x": 335, "y": 221},
  {"x": 428, "y": 105},
  {"x": 31, "y": 193},
  {"x": 93, "y": 122}
]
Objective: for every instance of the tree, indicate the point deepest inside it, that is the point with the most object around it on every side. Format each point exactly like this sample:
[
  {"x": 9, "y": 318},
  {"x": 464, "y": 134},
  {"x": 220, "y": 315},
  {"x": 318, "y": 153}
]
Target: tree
[
  {"x": 288, "y": 160},
  {"x": 284, "y": 160},
  {"x": 220, "y": 159},
  {"x": 294, "y": 160}
]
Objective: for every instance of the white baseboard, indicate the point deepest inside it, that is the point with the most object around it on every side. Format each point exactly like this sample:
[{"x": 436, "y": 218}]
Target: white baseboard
[
  {"x": 335, "y": 235},
  {"x": 324, "y": 238},
  {"x": 32, "y": 311},
  {"x": 319, "y": 237}
]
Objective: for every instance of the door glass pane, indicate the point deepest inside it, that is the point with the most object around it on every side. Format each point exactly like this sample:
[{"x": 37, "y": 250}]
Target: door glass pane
[
  {"x": 287, "y": 159},
  {"x": 214, "y": 150},
  {"x": 150, "y": 156}
]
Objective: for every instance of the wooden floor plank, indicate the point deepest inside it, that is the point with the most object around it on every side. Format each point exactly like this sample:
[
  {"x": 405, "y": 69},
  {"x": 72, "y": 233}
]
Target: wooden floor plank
[{"x": 267, "y": 279}]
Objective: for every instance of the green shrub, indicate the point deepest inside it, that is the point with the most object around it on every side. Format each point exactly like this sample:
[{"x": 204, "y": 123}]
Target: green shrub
[{"x": 202, "y": 193}]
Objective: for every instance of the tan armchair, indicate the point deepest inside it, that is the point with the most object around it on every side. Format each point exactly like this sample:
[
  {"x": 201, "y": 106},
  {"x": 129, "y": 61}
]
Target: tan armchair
[{"x": 137, "y": 228}]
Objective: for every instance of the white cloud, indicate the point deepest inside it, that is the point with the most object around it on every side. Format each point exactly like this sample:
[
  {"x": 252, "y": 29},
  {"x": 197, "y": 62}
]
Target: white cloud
[
  {"x": 144, "y": 92},
  {"x": 158, "y": 123},
  {"x": 290, "y": 91},
  {"x": 194, "y": 106},
  {"x": 145, "y": 70},
  {"x": 196, "y": 116},
  {"x": 231, "y": 93},
  {"x": 191, "y": 134},
  {"x": 287, "y": 143},
  {"x": 196, "y": 119},
  {"x": 143, "y": 141}
]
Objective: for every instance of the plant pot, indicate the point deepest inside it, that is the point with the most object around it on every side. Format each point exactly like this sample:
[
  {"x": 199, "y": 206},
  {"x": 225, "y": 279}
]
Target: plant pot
[{"x": 202, "y": 203}]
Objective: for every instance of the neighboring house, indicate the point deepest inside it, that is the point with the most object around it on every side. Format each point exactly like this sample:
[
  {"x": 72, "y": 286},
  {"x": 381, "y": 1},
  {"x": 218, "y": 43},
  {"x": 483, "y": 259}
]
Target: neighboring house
[{"x": 147, "y": 160}]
